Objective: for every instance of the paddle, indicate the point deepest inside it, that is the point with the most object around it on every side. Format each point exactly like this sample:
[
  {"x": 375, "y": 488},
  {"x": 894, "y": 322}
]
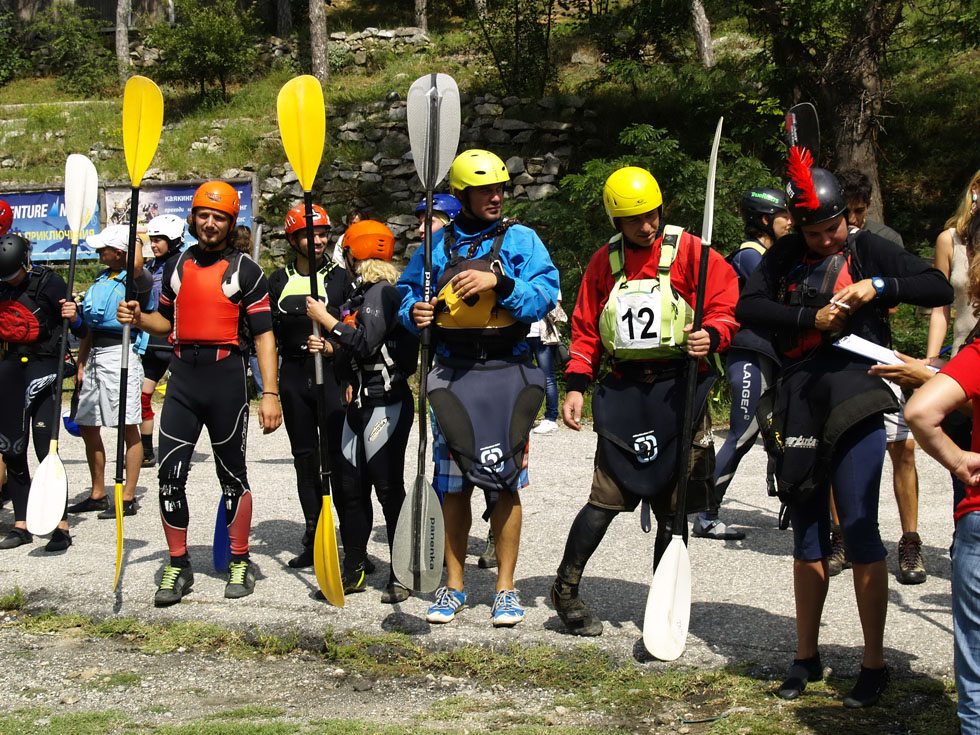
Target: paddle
[
  {"x": 49, "y": 488},
  {"x": 221, "y": 548},
  {"x": 668, "y": 610},
  {"x": 433, "y": 129},
  {"x": 802, "y": 128},
  {"x": 302, "y": 127},
  {"x": 142, "y": 124}
]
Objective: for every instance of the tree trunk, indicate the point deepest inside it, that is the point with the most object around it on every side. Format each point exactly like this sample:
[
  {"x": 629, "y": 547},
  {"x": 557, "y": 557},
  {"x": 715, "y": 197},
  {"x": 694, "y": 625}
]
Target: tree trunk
[
  {"x": 284, "y": 18},
  {"x": 481, "y": 8},
  {"x": 854, "y": 90},
  {"x": 318, "y": 41},
  {"x": 702, "y": 34},
  {"x": 122, "y": 39},
  {"x": 422, "y": 15}
]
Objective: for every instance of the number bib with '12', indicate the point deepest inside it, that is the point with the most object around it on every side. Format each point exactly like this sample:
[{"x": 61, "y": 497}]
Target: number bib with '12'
[{"x": 638, "y": 320}]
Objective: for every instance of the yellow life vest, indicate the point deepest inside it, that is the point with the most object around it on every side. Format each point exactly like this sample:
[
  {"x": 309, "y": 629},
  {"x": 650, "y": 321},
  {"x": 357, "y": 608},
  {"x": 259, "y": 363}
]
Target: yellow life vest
[{"x": 644, "y": 318}]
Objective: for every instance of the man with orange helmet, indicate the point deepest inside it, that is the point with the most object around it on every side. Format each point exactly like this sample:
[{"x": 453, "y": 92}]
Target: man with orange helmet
[
  {"x": 493, "y": 278},
  {"x": 379, "y": 355},
  {"x": 214, "y": 301},
  {"x": 288, "y": 289}
]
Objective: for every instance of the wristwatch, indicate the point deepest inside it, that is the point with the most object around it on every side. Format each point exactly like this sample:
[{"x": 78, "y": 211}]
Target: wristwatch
[{"x": 879, "y": 285}]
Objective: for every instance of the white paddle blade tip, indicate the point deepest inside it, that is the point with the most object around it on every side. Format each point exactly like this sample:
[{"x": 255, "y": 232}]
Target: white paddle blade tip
[
  {"x": 48, "y": 496},
  {"x": 668, "y": 610}
]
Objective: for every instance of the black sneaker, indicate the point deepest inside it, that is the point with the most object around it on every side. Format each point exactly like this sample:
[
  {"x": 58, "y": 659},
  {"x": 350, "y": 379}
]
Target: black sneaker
[
  {"x": 911, "y": 569},
  {"x": 394, "y": 591},
  {"x": 16, "y": 537},
  {"x": 149, "y": 460},
  {"x": 60, "y": 540},
  {"x": 578, "y": 619},
  {"x": 871, "y": 684},
  {"x": 241, "y": 579},
  {"x": 353, "y": 579},
  {"x": 129, "y": 509},
  {"x": 304, "y": 560},
  {"x": 90, "y": 504},
  {"x": 176, "y": 582}
]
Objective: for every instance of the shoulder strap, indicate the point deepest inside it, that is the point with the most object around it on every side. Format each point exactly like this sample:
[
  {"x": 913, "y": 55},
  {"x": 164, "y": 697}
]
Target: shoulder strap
[
  {"x": 668, "y": 247},
  {"x": 616, "y": 261},
  {"x": 751, "y": 245}
]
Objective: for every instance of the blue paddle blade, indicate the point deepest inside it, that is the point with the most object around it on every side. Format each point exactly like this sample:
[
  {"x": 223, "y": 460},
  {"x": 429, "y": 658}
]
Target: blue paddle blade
[{"x": 222, "y": 541}]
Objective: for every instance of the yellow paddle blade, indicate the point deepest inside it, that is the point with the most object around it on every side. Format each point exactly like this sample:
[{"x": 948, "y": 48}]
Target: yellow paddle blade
[
  {"x": 326, "y": 560},
  {"x": 142, "y": 123},
  {"x": 119, "y": 534},
  {"x": 302, "y": 126}
]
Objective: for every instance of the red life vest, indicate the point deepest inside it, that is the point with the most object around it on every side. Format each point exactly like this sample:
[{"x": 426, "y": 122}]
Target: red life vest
[
  {"x": 207, "y": 307},
  {"x": 23, "y": 324}
]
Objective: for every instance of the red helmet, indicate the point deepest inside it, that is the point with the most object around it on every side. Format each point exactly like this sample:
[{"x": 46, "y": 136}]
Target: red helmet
[
  {"x": 369, "y": 239},
  {"x": 6, "y": 217},
  {"x": 296, "y": 219},
  {"x": 217, "y": 195}
]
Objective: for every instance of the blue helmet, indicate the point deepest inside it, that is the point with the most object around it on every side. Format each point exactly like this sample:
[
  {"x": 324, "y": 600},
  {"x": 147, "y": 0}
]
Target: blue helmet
[
  {"x": 70, "y": 426},
  {"x": 442, "y": 203}
]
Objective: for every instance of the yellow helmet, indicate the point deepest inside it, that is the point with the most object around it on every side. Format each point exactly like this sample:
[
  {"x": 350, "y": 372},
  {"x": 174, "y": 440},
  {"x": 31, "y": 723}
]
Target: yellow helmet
[
  {"x": 476, "y": 167},
  {"x": 630, "y": 191}
]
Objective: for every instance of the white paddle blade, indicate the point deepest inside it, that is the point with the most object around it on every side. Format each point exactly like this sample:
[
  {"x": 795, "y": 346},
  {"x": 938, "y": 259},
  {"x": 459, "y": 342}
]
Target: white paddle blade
[
  {"x": 668, "y": 611},
  {"x": 48, "y": 497},
  {"x": 424, "y": 574},
  {"x": 707, "y": 224},
  {"x": 433, "y": 126},
  {"x": 81, "y": 192}
]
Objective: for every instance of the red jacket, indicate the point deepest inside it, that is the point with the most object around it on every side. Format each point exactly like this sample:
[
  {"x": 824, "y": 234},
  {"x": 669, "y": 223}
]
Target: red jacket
[{"x": 720, "y": 296}]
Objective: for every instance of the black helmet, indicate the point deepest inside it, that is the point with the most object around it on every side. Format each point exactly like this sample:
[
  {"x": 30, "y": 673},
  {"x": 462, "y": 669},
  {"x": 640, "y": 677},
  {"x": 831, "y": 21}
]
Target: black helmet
[
  {"x": 759, "y": 203},
  {"x": 814, "y": 198},
  {"x": 14, "y": 254}
]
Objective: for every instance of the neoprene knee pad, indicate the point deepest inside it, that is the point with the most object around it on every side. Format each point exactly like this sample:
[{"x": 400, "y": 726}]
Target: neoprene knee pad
[{"x": 146, "y": 406}]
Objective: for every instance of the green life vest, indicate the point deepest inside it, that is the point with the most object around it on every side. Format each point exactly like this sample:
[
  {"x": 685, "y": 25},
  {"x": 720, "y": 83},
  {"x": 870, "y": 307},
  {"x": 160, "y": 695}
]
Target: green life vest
[{"x": 644, "y": 319}]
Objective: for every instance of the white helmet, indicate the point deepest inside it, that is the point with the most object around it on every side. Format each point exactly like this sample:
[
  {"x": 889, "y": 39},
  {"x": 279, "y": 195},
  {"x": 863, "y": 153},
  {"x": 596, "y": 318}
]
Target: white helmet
[{"x": 169, "y": 226}]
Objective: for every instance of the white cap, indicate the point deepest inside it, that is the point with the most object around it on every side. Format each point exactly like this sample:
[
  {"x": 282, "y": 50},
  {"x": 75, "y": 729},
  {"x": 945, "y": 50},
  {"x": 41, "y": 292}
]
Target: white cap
[{"x": 113, "y": 236}]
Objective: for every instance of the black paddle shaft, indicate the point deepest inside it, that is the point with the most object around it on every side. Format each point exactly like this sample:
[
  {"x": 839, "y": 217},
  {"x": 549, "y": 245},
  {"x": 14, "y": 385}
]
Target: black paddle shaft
[
  {"x": 690, "y": 392},
  {"x": 124, "y": 369},
  {"x": 321, "y": 408}
]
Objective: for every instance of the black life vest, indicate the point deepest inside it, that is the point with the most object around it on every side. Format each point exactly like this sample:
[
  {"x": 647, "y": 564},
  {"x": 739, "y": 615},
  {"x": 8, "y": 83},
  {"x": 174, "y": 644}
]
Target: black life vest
[{"x": 25, "y": 328}]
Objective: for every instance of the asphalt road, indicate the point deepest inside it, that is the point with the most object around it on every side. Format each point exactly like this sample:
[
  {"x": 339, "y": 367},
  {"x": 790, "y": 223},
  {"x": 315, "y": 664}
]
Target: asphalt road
[{"x": 742, "y": 610}]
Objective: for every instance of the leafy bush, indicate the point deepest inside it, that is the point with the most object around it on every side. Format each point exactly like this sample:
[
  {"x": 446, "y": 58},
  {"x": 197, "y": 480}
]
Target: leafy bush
[
  {"x": 67, "y": 39},
  {"x": 212, "y": 40},
  {"x": 11, "y": 57},
  {"x": 517, "y": 36}
]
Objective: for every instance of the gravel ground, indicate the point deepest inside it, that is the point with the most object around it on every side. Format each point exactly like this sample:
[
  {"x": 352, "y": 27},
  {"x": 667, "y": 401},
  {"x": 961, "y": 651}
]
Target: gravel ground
[{"x": 742, "y": 609}]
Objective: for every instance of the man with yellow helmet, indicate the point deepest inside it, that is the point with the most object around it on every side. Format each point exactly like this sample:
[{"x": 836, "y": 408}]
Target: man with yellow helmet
[
  {"x": 634, "y": 305},
  {"x": 493, "y": 278}
]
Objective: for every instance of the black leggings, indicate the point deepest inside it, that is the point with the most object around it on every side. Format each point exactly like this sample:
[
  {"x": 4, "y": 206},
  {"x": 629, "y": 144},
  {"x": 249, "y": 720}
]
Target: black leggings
[
  {"x": 204, "y": 393},
  {"x": 297, "y": 392},
  {"x": 28, "y": 390},
  {"x": 375, "y": 438}
]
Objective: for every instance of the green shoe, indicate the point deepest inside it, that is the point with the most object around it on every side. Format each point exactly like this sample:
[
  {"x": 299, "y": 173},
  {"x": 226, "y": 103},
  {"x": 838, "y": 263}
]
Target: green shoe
[
  {"x": 176, "y": 582},
  {"x": 241, "y": 579}
]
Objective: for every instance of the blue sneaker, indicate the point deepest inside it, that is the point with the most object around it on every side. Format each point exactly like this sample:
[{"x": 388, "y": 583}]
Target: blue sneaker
[
  {"x": 507, "y": 609},
  {"x": 447, "y": 602}
]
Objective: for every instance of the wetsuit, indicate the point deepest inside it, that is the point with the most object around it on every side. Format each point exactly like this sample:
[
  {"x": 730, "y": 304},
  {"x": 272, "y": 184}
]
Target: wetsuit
[
  {"x": 749, "y": 367},
  {"x": 216, "y": 302},
  {"x": 833, "y": 432},
  {"x": 619, "y": 485},
  {"x": 288, "y": 290},
  {"x": 379, "y": 355},
  {"x": 28, "y": 370}
]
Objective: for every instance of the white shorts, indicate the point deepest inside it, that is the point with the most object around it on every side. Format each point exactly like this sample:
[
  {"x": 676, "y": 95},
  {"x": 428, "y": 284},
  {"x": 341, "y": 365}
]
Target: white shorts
[
  {"x": 896, "y": 430},
  {"x": 98, "y": 396}
]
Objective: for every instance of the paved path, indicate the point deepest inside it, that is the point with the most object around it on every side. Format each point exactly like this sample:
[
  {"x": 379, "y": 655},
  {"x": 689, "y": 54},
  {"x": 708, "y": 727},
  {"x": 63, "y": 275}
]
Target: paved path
[{"x": 742, "y": 598}]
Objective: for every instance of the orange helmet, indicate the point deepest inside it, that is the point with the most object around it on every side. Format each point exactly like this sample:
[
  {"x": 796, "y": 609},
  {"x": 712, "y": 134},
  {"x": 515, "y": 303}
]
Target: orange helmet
[
  {"x": 296, "y": 219},
  {"x": 369, "y": 239},
  {"x": 217, "y": 195}
]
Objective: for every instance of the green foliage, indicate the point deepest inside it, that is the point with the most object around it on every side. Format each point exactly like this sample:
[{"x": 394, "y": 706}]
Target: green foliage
[
  {"x": 13, "y": 600},
  {"x": 212, "y": 41},
  {"x": 12, "y": 61},
  {"x": 573, "y": 222},
  {"x": 517, "y": 36},
  {"x": 67, "y": 39},
  {"x": 631, "y": 30}
]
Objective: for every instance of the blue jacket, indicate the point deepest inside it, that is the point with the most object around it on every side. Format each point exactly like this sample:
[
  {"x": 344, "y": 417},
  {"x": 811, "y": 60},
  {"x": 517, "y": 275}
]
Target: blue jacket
[{"x": 524, "y": 259}]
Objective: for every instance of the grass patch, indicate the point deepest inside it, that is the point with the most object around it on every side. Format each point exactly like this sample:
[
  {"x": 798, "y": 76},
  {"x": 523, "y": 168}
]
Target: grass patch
[
  {"x": 13, "y": 600},
  {"x": 124, "y": 679},
  {"x": 251, "y": 712}
]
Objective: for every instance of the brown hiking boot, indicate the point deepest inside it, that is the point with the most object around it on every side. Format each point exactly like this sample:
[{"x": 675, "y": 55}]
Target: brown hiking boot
[
  {"x": 911, "y": 570},
  {"x": 837, "y": 561}
]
